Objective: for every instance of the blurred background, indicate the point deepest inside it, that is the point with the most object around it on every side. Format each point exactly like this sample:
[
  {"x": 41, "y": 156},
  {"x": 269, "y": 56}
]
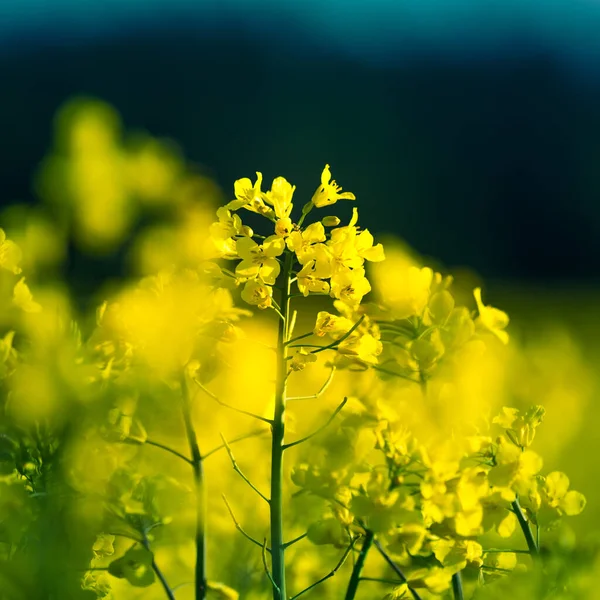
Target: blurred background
[{"x": 470, "y": 129}]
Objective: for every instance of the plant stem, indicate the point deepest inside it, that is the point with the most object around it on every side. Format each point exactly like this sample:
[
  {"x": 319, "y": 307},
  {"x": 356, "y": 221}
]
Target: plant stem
[
  {"x": 200, "y": 569},
  {"x": 168, "y": 591},
  {"x": 276, "y": 502},
  {"x": 524, "y": 523},
  {"x": 457, "y": 587},
  {"x": 396, "y": 569},
  {"x": 358, "y": 566}
]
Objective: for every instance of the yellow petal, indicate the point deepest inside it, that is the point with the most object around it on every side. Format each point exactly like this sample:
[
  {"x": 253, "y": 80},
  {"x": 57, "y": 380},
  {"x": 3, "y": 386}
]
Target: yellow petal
[{"x": 573, "y": 503}]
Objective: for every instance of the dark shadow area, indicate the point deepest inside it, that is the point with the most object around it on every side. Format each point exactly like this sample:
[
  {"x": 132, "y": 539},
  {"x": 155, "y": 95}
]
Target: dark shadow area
[{"x": 491, "y": 164}]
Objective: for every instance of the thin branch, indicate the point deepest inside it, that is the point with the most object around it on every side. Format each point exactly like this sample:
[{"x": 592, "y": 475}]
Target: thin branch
[
  {"x": 396, "y": 569},
  {"x": 278, "y": 313},
  {"x": 239, "y": 410},
  {"x": 237, "y": 469},
  {"x": 324, "y": 426},
  {"x": 298, "y": 338},
  {"x": 292, "y": 324},
  {"x": 394, "y": 374},
  {"x": 320, "y": 392},
  {"x": 239, "y": 527},
  {"x": 330, "y": 574},
  {"x": 134, "y": 442},
  {"x": 344, "y": 337},
  {"x": 256, "y": 433},
  {"x": 498, "y": 569},
  {"x": 291, "y": 542},
  {"x": 198, "y": 468},
  {"x": 158, "y": 572},
  {"x": 266, "y": 567},
  {"x": 381, "y": 580},
  {"x": 308, "y": 346}
]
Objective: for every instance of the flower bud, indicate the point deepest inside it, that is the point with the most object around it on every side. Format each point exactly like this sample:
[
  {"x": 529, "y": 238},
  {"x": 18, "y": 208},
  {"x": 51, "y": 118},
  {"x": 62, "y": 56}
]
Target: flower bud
[{"x": 331, "y": 221}]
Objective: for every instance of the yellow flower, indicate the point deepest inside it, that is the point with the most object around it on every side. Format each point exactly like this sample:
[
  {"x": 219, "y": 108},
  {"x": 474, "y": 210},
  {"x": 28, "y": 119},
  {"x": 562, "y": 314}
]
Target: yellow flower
[
  {"x": 10, "y": 254},
  {"x": 350, "y": 286},
  {"x": 104, "y": 545},
  {"x": 499, "y": 562},
  {"x": 437, "y": 503},
  {"x": 497, "y": 513},
  {"x": 520, "y": 429},
  {"x": 331, "y": 324},
  {"x": 311, "y": 278},
  {"x": 301, "y": 359},
  {"x": 363, "y": 347},
  {"x": 280, "y": 197},
  {"x": 397, "y": 593},
  {"x": 135, "y": 566},
  {"x": 408, "y": 540},
  {"x": 407, "y": 292},
  {"x": 227, "y": 226},
  {"x": 365, "y": 248},
  {"x": 250, "y": 197},
  {"x": 427, "y": 350},
  {"x": 435, "y": 579},
  {"x": 259, "y": 260},
  {"x": 381, "y": 508},
  {"x": 258, "y": 294},
  {"x": 491, "y": 319},
  {"x": 306, "y": 243},
  {"x": 329, "y": 192},
  {"x": 23, "y": 298},
  {"x": 514, "y": 468},
  {"x": 456, "y": 554},
  {"x": 556, "y": 494},
  {"x": 222, "y": 232},
  {"x": 283, "y": 227}
]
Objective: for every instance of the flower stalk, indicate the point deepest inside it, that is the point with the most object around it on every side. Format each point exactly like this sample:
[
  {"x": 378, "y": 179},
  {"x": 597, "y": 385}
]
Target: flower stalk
[
  {"x": 200, "y": 534},
  {"x": 277, "y": 447},
  {"x": 524, "y": 523},
  {"x": 359, "y": 565},
  {"x": 457, "y": 587}
]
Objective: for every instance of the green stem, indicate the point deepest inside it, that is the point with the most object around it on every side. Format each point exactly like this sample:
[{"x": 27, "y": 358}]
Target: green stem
[
  {"x": 396, "y": 569},
  {"x": 168, "y": 591},
  {"x": 277, "y": 447},
  {"x": 524, "y": 523},
  {"x": 200, "y": 537},
  {"x": 358, "y": 566},
  {"x": 457, "y": 587}
]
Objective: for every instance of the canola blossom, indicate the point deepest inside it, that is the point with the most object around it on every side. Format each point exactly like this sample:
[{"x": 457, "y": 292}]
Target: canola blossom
[{"x": 384, "y": 460}]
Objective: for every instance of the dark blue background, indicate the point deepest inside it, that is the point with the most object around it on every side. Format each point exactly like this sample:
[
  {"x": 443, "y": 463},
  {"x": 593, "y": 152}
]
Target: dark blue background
[{"x": 471, "y": 129}]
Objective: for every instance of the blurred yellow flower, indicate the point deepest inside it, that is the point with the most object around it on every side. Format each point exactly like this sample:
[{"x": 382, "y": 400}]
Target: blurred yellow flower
[{"x": 491, "y": 319}]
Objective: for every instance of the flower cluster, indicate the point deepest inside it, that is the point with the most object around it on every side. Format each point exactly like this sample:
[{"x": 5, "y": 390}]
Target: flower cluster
[
  {"x": 430, "y": 504},
  {"x": 328, "y": 262},
  {"x": 423, "y": 330}
]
